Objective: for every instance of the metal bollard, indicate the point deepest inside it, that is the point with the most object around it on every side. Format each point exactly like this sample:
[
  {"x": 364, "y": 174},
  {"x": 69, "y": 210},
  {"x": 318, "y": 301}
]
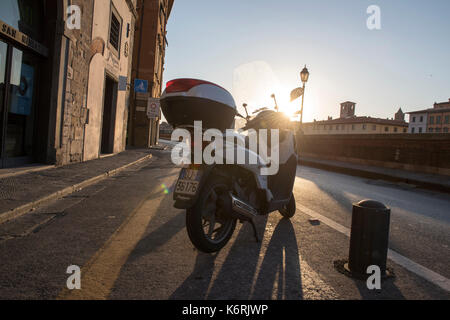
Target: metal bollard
[{"x": 369, "y": 238}]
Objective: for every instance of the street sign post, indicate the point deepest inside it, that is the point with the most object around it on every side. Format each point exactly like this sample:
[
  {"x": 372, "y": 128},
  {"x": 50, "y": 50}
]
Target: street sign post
[
  {"x": 123, "y": 83},
  {"x": 153, "y": 108}
]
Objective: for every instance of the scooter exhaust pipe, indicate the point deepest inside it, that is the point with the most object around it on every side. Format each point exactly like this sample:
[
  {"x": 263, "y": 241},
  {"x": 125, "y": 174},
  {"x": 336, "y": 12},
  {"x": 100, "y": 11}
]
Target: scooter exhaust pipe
[{"x": 243, "y": 209}]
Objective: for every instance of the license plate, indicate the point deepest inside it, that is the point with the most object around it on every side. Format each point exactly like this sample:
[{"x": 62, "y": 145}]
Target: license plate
[{"x": 188, "y": 182}]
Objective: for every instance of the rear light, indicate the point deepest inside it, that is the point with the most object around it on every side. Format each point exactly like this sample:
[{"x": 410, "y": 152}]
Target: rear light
[{"x": 181, "y": 85}]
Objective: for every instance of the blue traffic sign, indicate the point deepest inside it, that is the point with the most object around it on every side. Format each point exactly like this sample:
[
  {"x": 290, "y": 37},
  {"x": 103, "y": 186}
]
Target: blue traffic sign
[{"x": 140, "y": 86}]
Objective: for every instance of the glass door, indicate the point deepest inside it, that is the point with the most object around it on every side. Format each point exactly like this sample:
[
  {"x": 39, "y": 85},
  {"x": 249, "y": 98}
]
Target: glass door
[
  {"x": 19, "y": 95},
  {"x": 3, "y": 58}
]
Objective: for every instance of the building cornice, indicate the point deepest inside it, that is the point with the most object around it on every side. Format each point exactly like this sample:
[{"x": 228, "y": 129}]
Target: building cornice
[
  {"x": 132, "y": 8},
  {"x": 357, "y": 120}
]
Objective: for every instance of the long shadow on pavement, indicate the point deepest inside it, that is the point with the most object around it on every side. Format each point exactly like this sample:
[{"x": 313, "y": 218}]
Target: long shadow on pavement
[
  {"x": 240, "y": 277},
  {"x": 279, "y": 276},
  {"x": 235, "y": 278}
]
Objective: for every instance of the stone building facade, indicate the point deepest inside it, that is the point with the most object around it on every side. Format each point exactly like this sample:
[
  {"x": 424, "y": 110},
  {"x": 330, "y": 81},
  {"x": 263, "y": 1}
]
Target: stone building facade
[
  {"x": 65, "y": 74},
  {"x": 148, "y": 64},
  {"x": 432, "y": 120},
  {"x": 74, "y": 108},
  {"x": 109, "y": 64}
]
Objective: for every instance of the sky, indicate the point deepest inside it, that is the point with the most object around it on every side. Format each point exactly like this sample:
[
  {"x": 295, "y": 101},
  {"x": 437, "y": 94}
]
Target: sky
[{"x": 254, "y": 48}]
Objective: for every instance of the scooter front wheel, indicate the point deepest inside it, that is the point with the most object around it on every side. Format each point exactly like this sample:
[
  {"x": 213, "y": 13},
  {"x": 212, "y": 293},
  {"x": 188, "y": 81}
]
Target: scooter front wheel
[{"x": 208, "y": 224}]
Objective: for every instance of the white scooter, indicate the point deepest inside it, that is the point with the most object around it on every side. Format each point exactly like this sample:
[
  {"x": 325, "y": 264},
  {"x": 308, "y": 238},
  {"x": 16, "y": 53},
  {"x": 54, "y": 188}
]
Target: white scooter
[{"x": 216, "y": 196}]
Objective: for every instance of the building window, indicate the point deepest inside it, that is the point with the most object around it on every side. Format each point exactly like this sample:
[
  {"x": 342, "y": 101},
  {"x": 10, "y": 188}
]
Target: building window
[
  {"x": 447, "y": 119},
  {"x": 438, "y": 120},
  {"x": 386, "y": 129},
  {"x": 414, "y": 119},
  {"x": 353, "y": 127},
  {"x": 405, "y": 130},
  {"x": 421, "y": 118},
  {"x": 413, "y": 130},
  {"x": 395, "y": 129},
  {"x": 420, "y": 130},
  {"x": 364, "y": 127},
  {"x": 446, "y": 130},
  {"x": 430, "y": 130},
  {"x": 431, "y": 120},
  {"x": 115, "y": 31}
]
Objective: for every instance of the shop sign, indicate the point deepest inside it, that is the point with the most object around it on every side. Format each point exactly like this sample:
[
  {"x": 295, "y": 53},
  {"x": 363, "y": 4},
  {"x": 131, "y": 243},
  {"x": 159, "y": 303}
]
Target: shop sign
[{"x": 22, "y": 38}]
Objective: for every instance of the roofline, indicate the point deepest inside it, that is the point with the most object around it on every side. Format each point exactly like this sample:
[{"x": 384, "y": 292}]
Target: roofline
[
  {"x": 432, "y": 110},
  {"x": 360, "y": 121}
]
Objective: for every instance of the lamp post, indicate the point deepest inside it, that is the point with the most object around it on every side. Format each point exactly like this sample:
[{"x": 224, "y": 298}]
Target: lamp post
[{"x": 304, "y": 76}]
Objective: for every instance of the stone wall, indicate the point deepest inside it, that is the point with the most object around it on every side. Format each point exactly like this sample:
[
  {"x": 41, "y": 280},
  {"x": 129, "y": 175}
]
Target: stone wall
[
  {"x": 429, "y": 153},
  {"x": 74, "y": 108}
]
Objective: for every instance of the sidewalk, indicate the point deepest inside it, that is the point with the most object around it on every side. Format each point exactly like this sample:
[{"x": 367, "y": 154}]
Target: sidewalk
[
  {"x": 421, "y": 180},
  {"x": 22, "y": 192}
]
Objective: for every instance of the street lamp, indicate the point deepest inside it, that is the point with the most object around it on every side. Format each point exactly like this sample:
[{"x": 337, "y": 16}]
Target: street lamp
[{"x": 304, "y": 76}]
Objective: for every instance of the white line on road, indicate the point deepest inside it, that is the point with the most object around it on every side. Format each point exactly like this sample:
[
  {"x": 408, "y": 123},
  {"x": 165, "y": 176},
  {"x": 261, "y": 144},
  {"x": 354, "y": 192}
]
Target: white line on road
[{"x": 408, "y": 264}]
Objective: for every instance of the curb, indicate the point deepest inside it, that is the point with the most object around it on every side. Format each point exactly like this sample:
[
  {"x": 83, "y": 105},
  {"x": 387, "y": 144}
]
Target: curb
[
  {"x": 375, "y": 175},
  {"x": 15, "y": 174},
  {"x": 23, "y": 209}
]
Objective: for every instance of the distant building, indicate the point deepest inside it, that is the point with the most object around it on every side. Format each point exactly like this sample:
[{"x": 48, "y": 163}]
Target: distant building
[
  {"x": 348, "y": 109},
  {"x": 432, "y": 120},
  {"x": 349, "y": 123},
  {"x": 400, "y": 115},
  {"x": 148, "y": 64}
]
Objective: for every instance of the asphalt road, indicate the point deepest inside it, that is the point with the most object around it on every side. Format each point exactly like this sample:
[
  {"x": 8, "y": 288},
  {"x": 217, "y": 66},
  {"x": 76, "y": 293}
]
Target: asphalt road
[{"x": 130, "y": 243}]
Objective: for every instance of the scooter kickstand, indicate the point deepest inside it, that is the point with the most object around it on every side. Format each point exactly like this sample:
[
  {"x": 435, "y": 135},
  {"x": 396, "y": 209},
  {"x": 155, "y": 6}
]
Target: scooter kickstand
[{"x": 254, "y": 230}]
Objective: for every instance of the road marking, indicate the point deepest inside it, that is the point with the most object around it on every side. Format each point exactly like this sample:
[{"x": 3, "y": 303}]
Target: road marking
[
  {"x": 100, "y": 273},
  {"x": 406, "y": 263}
]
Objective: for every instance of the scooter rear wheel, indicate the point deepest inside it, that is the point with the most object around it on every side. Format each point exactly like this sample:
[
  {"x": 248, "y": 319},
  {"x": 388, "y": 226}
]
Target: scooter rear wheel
[
  {"x": 208, "y": 224},
  {"x": 288, "y": 210}
]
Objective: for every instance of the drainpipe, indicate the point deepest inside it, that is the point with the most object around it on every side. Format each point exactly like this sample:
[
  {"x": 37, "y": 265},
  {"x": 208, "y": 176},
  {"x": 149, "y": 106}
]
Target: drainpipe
[{"x": 137, "y": 66}]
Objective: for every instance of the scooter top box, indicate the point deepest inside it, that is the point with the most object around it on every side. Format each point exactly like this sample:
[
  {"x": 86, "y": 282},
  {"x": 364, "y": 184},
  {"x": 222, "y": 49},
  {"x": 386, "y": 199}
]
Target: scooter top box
[{"x": 187, "y": 100}]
